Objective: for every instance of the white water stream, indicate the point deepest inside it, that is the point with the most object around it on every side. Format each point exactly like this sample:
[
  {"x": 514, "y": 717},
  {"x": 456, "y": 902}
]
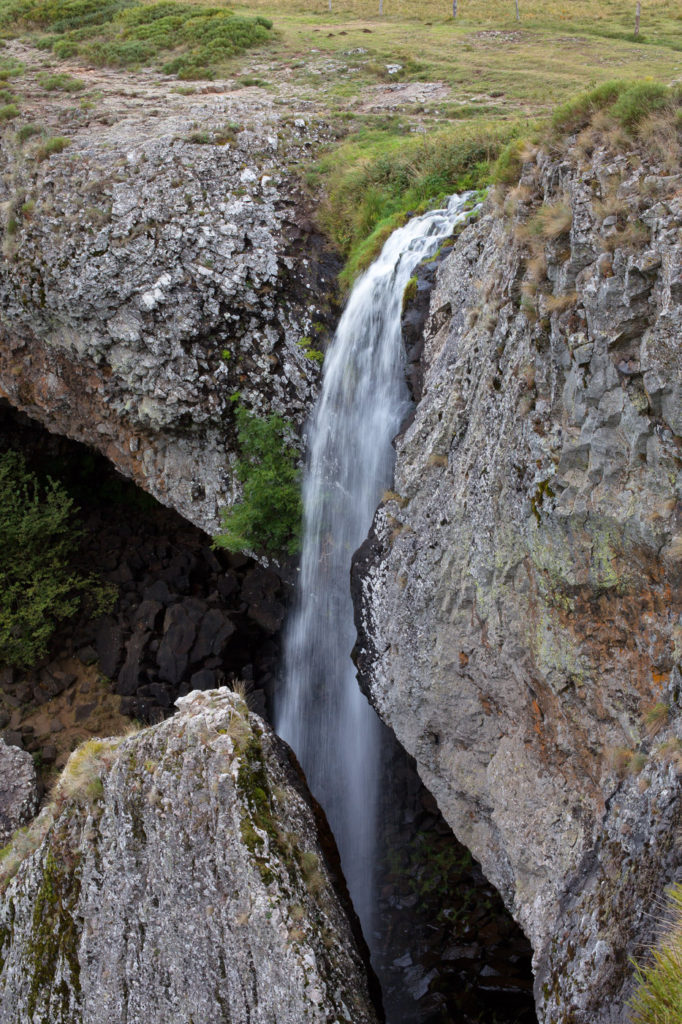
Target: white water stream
[{"x": 321, "y": 711}]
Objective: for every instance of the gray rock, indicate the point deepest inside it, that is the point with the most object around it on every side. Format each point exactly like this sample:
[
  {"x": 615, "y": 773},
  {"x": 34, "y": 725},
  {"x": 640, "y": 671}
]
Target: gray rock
[
  {"x": 18, "y": 790},
  {"x": 520, "y": 608},
  {"x": 193, "y": 888},
  {"x": 128, "y": 678},
  {"x": 179, "y": 634},
  {"x": 199, "y": 284}
]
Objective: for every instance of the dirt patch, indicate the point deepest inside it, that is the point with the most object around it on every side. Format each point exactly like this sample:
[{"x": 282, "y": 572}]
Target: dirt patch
[{"x": 52, "y": 730}]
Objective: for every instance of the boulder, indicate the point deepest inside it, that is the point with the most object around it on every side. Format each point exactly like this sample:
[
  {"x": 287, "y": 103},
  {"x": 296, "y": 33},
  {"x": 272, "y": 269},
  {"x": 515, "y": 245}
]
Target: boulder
[
  {"x": 19, "y": 793},
  {"x": 181, "y": 879}
]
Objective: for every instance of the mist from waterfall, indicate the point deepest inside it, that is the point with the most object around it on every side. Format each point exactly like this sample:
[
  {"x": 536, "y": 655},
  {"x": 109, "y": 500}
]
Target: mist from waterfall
[{"x": 320, "y": 710}]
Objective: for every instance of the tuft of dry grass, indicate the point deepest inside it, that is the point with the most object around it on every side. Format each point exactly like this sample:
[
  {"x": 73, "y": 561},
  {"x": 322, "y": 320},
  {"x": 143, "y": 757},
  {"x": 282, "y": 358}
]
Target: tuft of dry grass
[
  {"x": 658, "y": 996},
  {"x": 656, "y": 718},
  {"x": 560, "y": 303},
  {"x": 625, "y": 761}
]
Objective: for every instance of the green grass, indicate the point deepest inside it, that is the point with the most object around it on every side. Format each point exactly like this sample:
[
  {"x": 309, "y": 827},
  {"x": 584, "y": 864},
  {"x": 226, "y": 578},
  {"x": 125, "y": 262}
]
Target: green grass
[
  {"x": 186, "y": 39},
  {"x": 658, "y": 998},
  {"x": 55, "y": 144},
  {"x": 374, "y": 181},
  {"x": 60, "y": 83}
]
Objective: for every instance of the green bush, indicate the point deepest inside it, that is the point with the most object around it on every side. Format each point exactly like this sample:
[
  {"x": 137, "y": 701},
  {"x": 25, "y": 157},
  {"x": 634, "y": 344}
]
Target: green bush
[
  {"x": 61, "y": 82},
  {"x": 193, "y": 39},
  {"x": 38, "y": 587},
  {"x": 268, "y": 518},
  {"x": 55, "y": 144}
]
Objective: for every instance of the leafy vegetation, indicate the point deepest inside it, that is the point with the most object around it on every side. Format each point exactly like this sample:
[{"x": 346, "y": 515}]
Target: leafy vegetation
[
  {"x": 194, "y": 40},
  {"x": 38, "y": 586},
  {"x": 658, "y": 997},
  {"x": 268, "y": 518}
]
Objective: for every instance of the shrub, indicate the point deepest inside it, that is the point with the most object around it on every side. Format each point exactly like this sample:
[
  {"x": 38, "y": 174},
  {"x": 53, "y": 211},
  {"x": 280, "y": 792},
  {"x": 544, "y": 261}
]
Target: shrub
[
  {"x": 55, "y": 144},
  {"x": 127, "y": 33},
  {"x": 38, "y": 587},
  {"x": 9, "y": 111},
  {"x": 61, "y": 83},
  {"x": 27, "y": 131},
  {"x": 268, "y": 518}
]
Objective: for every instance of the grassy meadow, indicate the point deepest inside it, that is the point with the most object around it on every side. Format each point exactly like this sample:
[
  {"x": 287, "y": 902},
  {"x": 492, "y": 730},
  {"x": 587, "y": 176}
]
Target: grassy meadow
[{"x": 420, "y": 103}]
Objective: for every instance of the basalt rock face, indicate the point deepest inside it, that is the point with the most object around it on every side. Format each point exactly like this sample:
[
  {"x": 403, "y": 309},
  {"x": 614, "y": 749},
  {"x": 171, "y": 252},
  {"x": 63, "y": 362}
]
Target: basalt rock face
[
  {"x": 18, "y": 790},
  {"x": 155, "y": 273},
  {"x": 189, "y": 885},
  {"x": 519, "y": 600}
]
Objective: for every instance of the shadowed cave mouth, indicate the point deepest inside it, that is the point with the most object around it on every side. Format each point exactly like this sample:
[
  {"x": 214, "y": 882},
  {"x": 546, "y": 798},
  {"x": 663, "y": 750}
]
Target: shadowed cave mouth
[{"x": 188, "y": 617}]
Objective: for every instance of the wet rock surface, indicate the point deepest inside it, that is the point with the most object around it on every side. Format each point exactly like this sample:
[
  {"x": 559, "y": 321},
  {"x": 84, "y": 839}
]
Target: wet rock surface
[
  {"x": 19, "y": 791},
  {"x": 519, "y": 598},
  {"x": 168, "y": 264},
  {"x": 196, "y": 859}
]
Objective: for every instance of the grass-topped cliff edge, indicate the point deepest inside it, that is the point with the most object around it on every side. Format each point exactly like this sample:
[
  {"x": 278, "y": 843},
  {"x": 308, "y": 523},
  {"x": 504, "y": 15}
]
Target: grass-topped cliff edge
[{"x": 421, "y": 104}]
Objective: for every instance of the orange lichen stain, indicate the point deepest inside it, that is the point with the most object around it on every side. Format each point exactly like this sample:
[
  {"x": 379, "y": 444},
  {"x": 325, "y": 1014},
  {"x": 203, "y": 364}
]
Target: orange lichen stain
[
  {"x": 537, "y": 724},
  {"x": 660, "y": 678},
  {"x": 463, "y": 659}
]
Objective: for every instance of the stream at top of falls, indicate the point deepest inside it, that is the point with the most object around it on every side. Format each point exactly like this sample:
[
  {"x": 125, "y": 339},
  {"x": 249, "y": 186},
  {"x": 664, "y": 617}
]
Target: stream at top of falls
[{"x": 320, "y": 710}]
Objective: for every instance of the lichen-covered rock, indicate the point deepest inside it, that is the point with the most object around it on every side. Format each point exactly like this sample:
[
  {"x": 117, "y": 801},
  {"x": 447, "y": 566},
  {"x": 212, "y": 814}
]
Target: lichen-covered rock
[
  {"x": 18, "y": 790},
  {"x": 181, "y": 879},
  {"x": 519, "y": 602},
  {"x": 152, "y": 273}
]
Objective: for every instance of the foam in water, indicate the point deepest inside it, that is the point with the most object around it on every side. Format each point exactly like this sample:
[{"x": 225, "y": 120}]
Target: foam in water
[{"x": 321, "y": 711}]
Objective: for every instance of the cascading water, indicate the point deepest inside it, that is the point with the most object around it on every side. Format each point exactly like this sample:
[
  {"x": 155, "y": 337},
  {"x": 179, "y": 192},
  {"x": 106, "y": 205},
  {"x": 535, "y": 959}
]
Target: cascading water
[{"x": 321, "y": 711}]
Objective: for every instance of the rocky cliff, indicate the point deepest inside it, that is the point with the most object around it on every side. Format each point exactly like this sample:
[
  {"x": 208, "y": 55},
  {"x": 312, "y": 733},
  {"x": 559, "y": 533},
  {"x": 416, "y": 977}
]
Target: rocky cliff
[
  {"x": 19, "y": 796},
  {"x": 162, "y": 261},
  {"x": 180, "y": 878},
  {"x": 519, "y": 599}
]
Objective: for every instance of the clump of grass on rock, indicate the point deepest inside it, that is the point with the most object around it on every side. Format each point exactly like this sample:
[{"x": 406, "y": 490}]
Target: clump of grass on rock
[{"x": 658, "y": 997}]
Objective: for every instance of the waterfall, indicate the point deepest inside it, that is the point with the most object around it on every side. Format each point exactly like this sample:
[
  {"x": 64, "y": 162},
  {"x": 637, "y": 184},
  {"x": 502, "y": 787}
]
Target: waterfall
[{"x": 321, "y": 711}]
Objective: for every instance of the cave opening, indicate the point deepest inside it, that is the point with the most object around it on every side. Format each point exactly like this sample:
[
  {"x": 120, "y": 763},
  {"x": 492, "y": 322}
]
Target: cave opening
[{"x": 189, "y": 617}]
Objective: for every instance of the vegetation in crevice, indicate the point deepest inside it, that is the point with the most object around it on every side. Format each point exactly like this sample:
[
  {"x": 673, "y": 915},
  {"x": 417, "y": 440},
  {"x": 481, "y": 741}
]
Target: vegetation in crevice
[
  {"x": 268, "y": 517},
  {"x": 658, "y": 996}
]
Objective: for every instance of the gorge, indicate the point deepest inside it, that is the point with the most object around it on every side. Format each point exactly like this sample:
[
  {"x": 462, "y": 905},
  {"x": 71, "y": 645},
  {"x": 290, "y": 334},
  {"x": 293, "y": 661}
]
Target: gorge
[{"x": 515, "y": 579}]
